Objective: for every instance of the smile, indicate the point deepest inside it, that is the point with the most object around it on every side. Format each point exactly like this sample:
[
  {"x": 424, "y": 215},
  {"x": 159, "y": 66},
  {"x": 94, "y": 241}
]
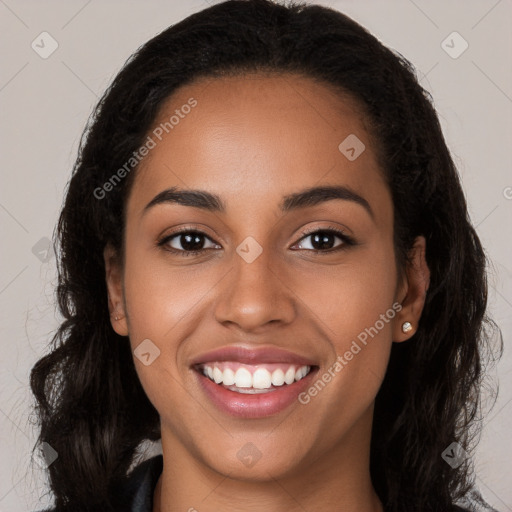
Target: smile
[
  {"x": 252, "y": 379},
  {"x": 252, "y": 383}
]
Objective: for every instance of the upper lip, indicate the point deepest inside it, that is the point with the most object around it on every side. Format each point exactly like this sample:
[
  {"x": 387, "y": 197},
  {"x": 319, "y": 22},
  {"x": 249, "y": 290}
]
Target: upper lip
[{"x": 246, "y": 355}]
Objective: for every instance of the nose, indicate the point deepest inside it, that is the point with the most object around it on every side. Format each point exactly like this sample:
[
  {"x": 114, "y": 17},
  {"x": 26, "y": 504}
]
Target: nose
[{"x": 255, "y": 294}]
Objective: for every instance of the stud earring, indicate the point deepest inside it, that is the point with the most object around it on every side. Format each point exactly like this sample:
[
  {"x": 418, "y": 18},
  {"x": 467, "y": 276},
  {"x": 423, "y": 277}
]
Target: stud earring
[
  {"x": 406, "y": 327},
  {"x": 116, "y": 316}
]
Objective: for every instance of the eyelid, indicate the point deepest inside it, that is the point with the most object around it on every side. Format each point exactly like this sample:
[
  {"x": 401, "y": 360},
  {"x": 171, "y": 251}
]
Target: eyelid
[
  {"x": 340, "y": 233},
  {"x": 348, "y": 240},
  {"x": 316, "y": 229},
  {"x": 163, "y": 240},
  {"x": 189, "y": 228}
]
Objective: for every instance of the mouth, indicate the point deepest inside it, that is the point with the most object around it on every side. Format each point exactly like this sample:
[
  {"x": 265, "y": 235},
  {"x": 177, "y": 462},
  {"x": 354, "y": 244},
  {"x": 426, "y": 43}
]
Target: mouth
[{"x": 252, "y": 384}]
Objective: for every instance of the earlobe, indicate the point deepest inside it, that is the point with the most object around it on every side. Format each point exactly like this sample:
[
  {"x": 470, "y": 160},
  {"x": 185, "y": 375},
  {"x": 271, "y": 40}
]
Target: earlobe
[
  {"x": 114, "y": 282},
  {"x": 413, "y": 292}
]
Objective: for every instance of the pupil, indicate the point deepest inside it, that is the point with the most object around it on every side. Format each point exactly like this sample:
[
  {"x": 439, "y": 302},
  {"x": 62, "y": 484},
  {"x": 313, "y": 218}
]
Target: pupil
[
  {"x": 191, "y": 242},
  {"x": 194, "y": 242},
  {"x": 323, "y": 241}
]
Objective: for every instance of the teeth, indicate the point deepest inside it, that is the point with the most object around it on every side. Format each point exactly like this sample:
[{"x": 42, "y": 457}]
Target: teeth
[
  {"x": 243, "y": 378},
  {"x": 228, "y": 377},
  {"x": 261, "y": 379},
  {"x": 289, "y": 376},
  {"x": 301, "y": 373},
  {"x": 247, "y": 382},
  {"x": 278, "y": 377},
  {"x": 217, "y": 375}
]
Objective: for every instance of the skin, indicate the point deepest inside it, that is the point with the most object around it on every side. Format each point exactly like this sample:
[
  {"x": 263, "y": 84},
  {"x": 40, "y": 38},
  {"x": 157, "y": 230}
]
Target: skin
[{"x": 253, "y": 140}]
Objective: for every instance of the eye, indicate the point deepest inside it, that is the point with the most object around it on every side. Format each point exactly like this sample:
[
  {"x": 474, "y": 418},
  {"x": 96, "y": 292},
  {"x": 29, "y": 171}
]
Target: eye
[
  {"x": 323, "y": 240},
  {"x": 187, "y": 242}
]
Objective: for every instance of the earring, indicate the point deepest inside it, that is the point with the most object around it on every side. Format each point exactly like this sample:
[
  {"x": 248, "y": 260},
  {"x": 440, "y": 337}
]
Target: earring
[
  {"x": 406, "y": 327},
  {"x": 116, "y": 316}
]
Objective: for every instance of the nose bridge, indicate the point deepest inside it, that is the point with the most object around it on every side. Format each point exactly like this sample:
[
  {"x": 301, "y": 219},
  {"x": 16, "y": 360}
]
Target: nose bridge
[{"x": 255, "y": 293}]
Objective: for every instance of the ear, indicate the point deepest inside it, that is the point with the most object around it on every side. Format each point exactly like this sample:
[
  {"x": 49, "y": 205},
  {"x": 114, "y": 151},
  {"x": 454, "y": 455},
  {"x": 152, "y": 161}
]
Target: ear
[
  {"x": 114, "y": 281},
  {"x": 412, "y": 292}
]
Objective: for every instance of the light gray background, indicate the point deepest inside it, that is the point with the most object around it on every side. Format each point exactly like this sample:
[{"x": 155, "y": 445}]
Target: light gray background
[{"x": 46, "y": 102}]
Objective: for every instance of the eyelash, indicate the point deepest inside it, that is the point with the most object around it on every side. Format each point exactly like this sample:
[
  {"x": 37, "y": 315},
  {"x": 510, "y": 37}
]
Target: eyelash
[{"x": 347, "y": 240}]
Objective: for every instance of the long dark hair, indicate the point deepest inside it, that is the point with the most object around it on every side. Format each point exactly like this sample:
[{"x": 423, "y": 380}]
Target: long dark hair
[{"x": 90, "y": 404}]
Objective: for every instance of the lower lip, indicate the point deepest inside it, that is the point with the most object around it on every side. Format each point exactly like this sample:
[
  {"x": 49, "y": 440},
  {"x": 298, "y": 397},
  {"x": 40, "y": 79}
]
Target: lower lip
[{"x": 258, "y": 405}]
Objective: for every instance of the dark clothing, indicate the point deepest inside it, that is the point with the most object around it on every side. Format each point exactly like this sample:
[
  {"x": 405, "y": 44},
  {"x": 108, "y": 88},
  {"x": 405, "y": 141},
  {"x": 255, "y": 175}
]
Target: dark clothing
[
  {"x": 136, "y": 492},
  {"x": 141, "y": 484}
]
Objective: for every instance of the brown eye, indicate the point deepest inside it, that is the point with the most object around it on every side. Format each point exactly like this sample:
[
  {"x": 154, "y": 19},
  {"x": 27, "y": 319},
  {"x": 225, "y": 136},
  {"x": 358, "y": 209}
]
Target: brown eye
[
  {"x": 324, "y": 240},
  {"x": 187, "y": 242}
]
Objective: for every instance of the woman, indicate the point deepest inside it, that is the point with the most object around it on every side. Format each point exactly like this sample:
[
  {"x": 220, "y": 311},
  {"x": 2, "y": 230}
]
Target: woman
[{"x": 266, "y": 262}]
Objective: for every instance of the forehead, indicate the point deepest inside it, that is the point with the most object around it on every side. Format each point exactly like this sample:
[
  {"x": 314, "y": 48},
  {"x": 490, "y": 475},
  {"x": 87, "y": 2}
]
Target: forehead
[{"x": 257, "y": 135}]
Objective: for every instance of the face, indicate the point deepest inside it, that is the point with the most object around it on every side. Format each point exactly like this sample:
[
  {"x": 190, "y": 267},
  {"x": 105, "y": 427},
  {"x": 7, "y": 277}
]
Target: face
[{"x": 294, "y": 263}]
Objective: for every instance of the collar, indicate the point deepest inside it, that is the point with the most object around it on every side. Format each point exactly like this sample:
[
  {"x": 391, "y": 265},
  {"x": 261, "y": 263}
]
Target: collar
[{"x": 139, "y": 487}]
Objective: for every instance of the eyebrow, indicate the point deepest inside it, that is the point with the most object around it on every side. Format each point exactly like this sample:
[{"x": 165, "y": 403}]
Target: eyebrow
[{"x": 302, "y": 199}]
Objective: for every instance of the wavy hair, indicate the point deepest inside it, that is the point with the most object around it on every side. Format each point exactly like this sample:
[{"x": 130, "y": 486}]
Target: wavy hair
[{"x": 90, "y": 404}]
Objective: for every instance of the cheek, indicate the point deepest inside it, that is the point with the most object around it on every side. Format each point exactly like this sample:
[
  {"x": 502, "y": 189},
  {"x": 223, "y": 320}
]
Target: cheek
[
  {"x": 163, "y": 305},
  {"x": 354, "y": 306},
  {"x": 348, "y": 298},
  {"x": 162, "y": 299}
]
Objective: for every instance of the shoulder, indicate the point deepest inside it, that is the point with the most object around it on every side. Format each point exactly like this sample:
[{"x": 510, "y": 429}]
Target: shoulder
[{"x": 135, "y": 493}]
